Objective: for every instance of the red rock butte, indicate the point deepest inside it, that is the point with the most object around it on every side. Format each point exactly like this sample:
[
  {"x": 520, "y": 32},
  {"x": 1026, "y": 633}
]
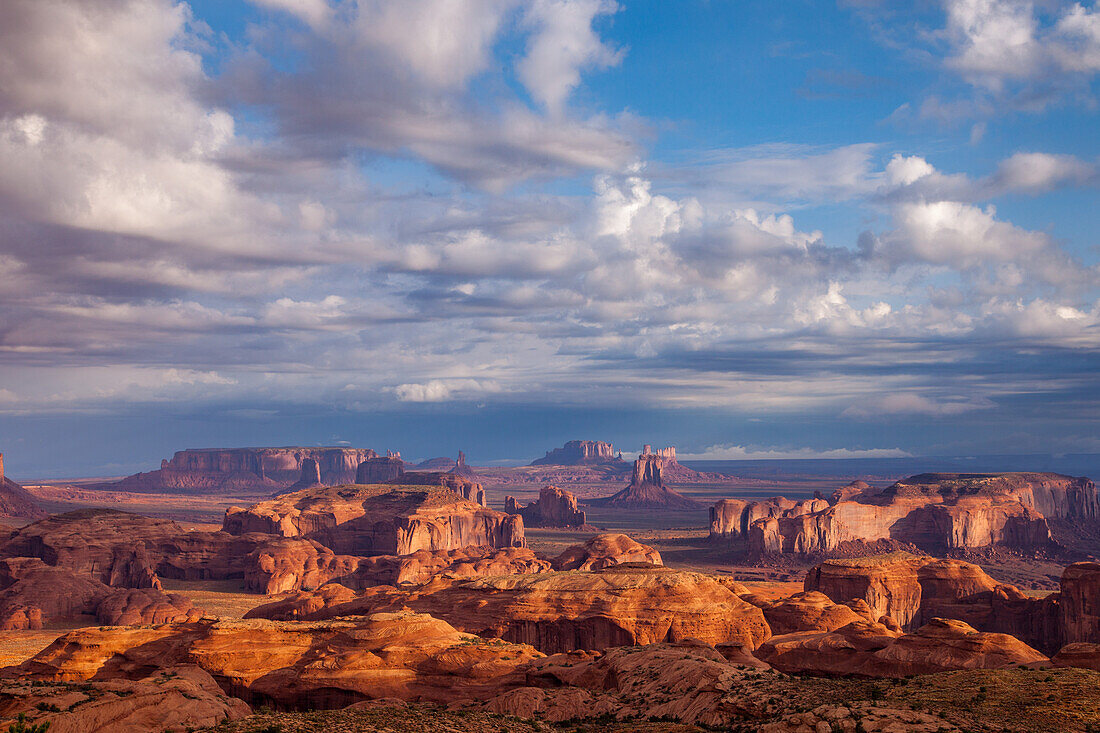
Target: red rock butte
[{"x": 580, "y": 453}]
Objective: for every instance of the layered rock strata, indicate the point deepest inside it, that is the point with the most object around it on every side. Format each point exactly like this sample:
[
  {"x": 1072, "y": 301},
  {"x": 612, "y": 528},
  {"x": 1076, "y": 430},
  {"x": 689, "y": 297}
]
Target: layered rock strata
[
  {"x": 934, "y": 512},
  {"x": 554, "y": 508},
  {"x": 606, "y": 551},
  {"x": 580, "y": 453},
  {"x": 379, "y": 520},
  {"x": 562, "y": 611},
  {"x": 245, "y": 469}
]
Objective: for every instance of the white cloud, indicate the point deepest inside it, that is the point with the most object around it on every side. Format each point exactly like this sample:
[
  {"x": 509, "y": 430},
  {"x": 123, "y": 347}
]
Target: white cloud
[
  {"x": 913, "y": 403},
  {"x": 756, "y": 453},
  {"x": 562, "y": 44}
]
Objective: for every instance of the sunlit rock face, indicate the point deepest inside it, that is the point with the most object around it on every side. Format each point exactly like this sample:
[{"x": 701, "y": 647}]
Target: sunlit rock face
[
  {"x": 935, "y": 512},
  {"x": 385, "y": 519},
  {"x": 555, "y": 508}
]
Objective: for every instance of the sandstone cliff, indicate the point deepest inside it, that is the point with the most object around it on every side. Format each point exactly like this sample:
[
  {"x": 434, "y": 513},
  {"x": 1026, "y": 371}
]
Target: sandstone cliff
[
  {"x": 935, "y": 512},
  {"x": 561, "y": 611},
  {"x": 379, "y": 520},
  {"x": 555, "y": 508},
  {"x": 245, "y": 469},
  {"x": 15, "y": 501},
  {"x": 579, "y": 453}
]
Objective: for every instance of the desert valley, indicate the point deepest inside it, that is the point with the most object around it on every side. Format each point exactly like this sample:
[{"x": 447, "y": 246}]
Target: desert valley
[{"x": 343, "y": 589}]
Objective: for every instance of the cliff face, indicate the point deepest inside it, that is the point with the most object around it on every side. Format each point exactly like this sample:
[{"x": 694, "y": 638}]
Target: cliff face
[
  {"x": 935, "y": 512},
  {"x": 555, "y": 508},
  {"x": 15, "y": 501},
  {"x": 578, "y": 453},
  {"x": 379, "y": 520},
  {"x": 246, "y": 469},
  {"x": 380, "y": 470}
]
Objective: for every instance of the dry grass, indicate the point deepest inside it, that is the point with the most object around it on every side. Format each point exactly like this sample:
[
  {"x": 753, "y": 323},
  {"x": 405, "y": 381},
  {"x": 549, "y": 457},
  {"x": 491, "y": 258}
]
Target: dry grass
[{"x": 221, "y": 598}]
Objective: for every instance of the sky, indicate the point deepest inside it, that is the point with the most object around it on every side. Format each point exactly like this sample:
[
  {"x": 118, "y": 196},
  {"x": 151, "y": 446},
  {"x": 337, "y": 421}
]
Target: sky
[{"x": 750, "y": 229}]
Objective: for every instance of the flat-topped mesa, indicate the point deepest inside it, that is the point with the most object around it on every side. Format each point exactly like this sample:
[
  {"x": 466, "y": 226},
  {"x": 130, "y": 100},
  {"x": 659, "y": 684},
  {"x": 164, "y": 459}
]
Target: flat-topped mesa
[
  {"x": 555, "y": 508},
  {"x": 464, "y": 487},
  {"x": 385, "y": 519},
  {"x": 15, "y": 501},
  {"x": 246, "y": 469},
  {"x": 647, "y": 489},
  {"x": 580, "y": 453},
  {"x": 380, "y": 469},
  {"x": 934, "y": 512}
]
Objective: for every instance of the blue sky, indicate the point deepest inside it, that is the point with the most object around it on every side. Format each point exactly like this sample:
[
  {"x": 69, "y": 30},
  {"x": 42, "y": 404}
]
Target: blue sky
[{"x": 749, "y": 229}]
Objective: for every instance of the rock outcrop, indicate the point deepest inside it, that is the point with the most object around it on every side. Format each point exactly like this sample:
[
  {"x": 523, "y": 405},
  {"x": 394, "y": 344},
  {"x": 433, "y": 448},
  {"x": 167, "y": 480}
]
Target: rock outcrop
[
  {"x": 381, "y": 469},
  {"x": 379, "y": 520},
  {"x": 605, "y": 551},
  {"x": 580, "y": 453},
  {"x": 872, "y": 650},
  {"x": 934, "y": 512},
  {"x": 1079, "y": 603},
  {"x": 181, "y": 697},
  {"x": 562, "y": 611},
  {"x": 809, "y": 611},
  {"x": 15, "y": 501},
  {"x": 245, "y": 469},
  {"x": 555, "y": 508},
  {"x": 647, "y": 489},
  {"x": 311, "y": 476},
  {"x": 298, "y": 665},
  {"x": 292, "y": 564},
  {"x": 34, "y": 594},
  {"x": 464, "y": 487},
  {"x": 143, "y": 606},
  {"x": 912, "y": 590}
]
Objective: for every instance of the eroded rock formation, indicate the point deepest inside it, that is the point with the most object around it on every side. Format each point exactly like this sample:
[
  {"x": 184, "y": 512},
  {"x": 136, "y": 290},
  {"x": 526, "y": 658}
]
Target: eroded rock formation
[
  {"x": 872, "y": 650},
  {"x": 605, "y": 551},
  {"x": 580, "y": 453},
  {"x": 246, "y": 469},
  {"x": 554, "y": 508},
  {"x": 562, "y": 611},
  {"x": 647, "y": 489},
  {"x": 380, "y": 469},
  {"x": 15, "y": 501},
  {"x": 934, "y": 512},
  {"x": 379, "y": 520}
]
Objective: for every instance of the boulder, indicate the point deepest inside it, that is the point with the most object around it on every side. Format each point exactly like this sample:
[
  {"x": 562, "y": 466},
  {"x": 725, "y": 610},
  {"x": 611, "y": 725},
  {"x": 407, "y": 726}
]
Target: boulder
[
  {"x": 562, "y": 611},
  {"x": 604, "y": 551},
  {"x": 555, "y": 508},
  {"x": 383, "y": 519}
]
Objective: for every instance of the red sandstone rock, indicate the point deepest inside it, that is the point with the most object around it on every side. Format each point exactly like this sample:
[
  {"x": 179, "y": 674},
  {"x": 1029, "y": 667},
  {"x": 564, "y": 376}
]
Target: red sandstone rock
[
  {"x": 647, "y": 489},
  {"x": 317, "y": 665},
  {"x": 380, "y": 519},
  {"x": 468, "y": 490},
  {"x": 555, "y": 508},
  {"x": 291, "y": 564},
  {"x": 15, "y": 501},
  {"x": 871, "y": 650},
  {"x": 604, "y": 551},
  {"x": 1079, "y": 601},
  {"x": 34, "y": 594},
  {"x": 142, "y": 606},
  {"x": 808, "y": 611},
  {"x": 380, "y": 470},
  {"x": 579, "y": 453},
  {"x": 182, "y": 697},
  {"x": 245, "y": 469},
  {"x": 1078, "y": 654},
  {"x": 562, "y": 611}
]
